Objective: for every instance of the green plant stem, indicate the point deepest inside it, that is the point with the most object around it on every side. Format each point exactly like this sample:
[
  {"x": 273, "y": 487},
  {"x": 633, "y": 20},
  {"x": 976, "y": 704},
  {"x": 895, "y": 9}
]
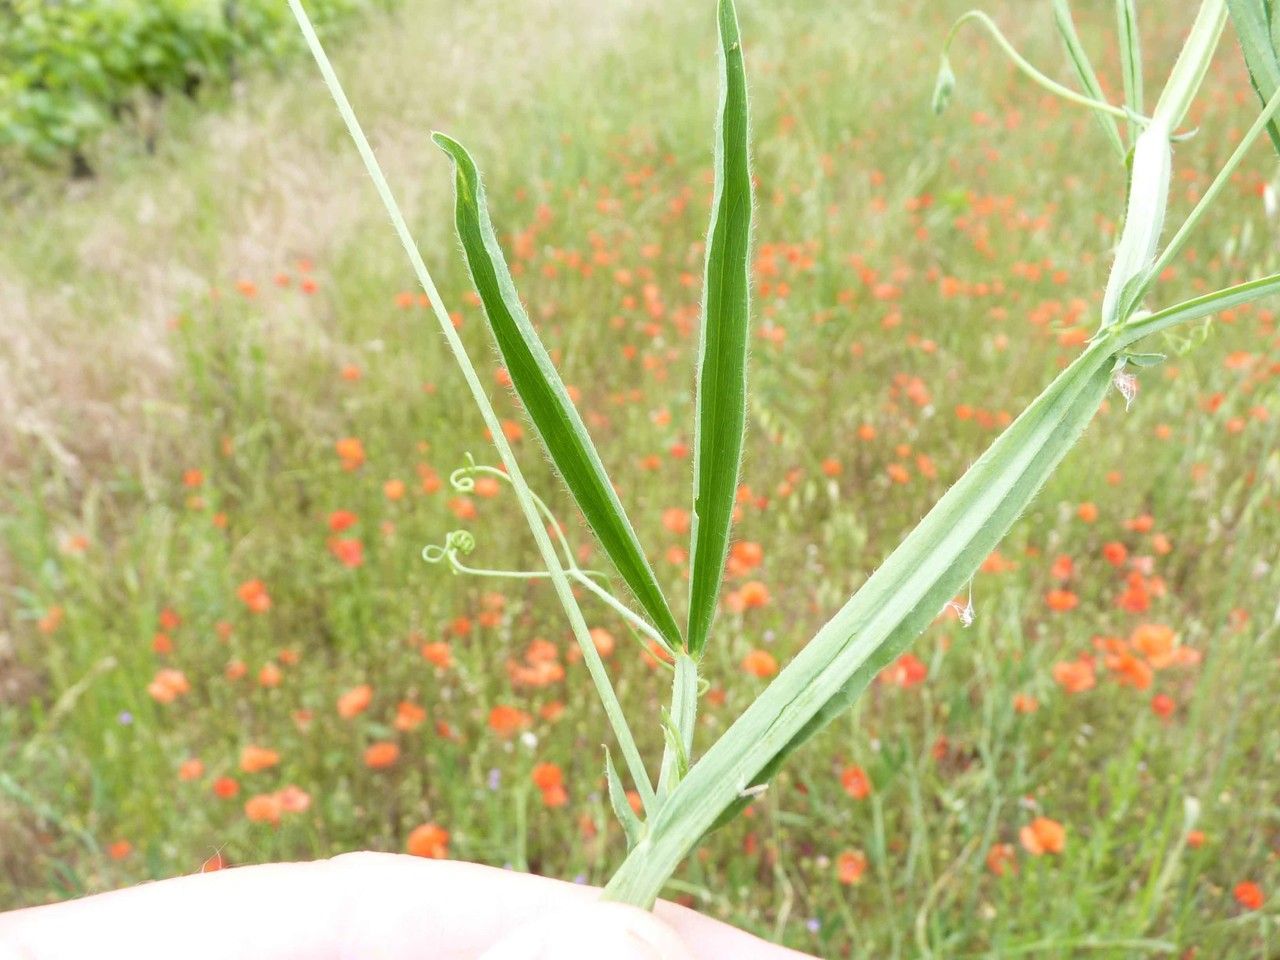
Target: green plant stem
[
  {"x": 1130, "y": 61},
  {"x": 591, "y": 656},
  {"x": 1066, "y": 93},
  {"x": 684, "y": 715},
  {"x": 1183, "y": 234},
  {"x": 901, "y": 598}
]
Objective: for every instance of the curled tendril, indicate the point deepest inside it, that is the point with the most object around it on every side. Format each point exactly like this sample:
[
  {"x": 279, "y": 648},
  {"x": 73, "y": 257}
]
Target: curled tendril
[
  {"x": 461, "y": 543},
  {"x": 463, "y": 479},
  {"x": 455, "y": 542}
]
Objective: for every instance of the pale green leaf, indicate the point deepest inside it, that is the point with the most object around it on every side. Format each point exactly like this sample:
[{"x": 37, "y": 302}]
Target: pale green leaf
[
  {"x": 632, "y": 827},
  {"x": 1257, "y": 28},
  {"x": 901, "y": 598}
]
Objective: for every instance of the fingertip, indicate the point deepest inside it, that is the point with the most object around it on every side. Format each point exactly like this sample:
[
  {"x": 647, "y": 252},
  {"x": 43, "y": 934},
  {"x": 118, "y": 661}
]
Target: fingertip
[{"x": 590, "y": 931}]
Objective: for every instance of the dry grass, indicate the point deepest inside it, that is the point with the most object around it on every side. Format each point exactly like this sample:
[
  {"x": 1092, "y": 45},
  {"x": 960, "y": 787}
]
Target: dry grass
[{"x": 92, "y": 274}]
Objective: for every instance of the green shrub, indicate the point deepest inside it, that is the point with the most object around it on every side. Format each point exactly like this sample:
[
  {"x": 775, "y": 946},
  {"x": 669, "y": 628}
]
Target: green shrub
[{"x": 69, "y": 69}]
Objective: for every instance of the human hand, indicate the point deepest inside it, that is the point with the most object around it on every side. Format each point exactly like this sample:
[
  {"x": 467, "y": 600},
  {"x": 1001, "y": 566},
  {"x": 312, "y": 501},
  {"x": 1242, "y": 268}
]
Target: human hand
[{"x": 368, "y": 906}]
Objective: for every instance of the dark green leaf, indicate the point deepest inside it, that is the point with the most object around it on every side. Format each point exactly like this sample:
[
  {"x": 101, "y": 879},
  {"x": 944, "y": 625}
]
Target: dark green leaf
[
  {"x": 544, "y": 396},
  {"x": 722, "y": 360}
]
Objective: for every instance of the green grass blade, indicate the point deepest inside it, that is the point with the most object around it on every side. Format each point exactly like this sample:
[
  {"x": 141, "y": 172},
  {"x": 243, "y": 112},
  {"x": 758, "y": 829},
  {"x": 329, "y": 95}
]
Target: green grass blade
[
  {"x": 544, "y": 396},
  {"x": 900, "y": 599},
  {"x": 720, "y": 418},
  {"x": 1256, "y": 29},
  {"x": 1085, "y": 72}
]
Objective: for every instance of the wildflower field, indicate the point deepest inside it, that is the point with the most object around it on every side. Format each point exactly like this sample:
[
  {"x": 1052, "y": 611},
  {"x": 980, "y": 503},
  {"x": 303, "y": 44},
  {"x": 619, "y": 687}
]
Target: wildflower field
[{"x": 230, "y": 427}]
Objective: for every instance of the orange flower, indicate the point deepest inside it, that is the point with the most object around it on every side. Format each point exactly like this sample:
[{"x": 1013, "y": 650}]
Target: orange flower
[
  {"x": 753, "y": 594},
  {"x": 1061, "y": 600},
  {"x": 270, "y": 675},
  {"x": 1249, "y": 895},
  {"x": 760, "y": 663},
  {"x": 428, "y": 841},
  {"x": 348, "y": 551},
  {"x": 341, "y": 520},
  {"x": 1025, "y": 703},
  {"x": 254, "y": 759},
  {"x": 603, "y": 640},
  {"x": 225, "y": 788},
  {"x": 1074, "y": 676},
  {"x": 253, "y": 594},
  {"x": 1001, "y": 859},
  {"x": 907, "y": 671},
  {"x": 120, "y": 849},
  {"x": 409, "y": 716},
  {"x": 438, "y": 654},
  {"x": 264, "y": 808},
  {"x": 1087, "y": 512},
  {"x": 293, "y": 799},
  {"x": 380, "y": 755},
  {"x": 1163, "y": 706},
  {"x": 1155, "y": 641},
  {"x": 547, "y": 775},
  {"x": 855, "y": 781},
  {"x": 507, "y": 721},
  {"x": 1063, "y": 567},
  {"x": 355, "y": 701},
  {"x": 1129, "y": 670},
  {"x": 191, "y": 769},
  {"x": 745, "y": 555},
  {"x": 555, "y": 797},
  {"x": 351, "y": 452},
  {"x": 168, "y": 685},
  {"x": 1043, "y": 835},
  {"x": 676, "y": 520},
  {"x": 51, "y": 620},
  {"x": 850, "y": 866},
  {"x": 1115, "y": 553},
  {"x": 393, "y": 489}
]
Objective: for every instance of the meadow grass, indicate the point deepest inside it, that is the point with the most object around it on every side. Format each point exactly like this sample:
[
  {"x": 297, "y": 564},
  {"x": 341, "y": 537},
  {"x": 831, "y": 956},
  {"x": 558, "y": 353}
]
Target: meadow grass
[{"x": 921, "y": 281}]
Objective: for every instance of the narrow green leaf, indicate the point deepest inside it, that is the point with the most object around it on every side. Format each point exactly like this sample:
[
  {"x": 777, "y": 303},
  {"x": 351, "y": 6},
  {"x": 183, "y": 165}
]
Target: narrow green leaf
[
  {"x": 720, "y": 418},
  {"x": 900, "y": 599},
  {"x": 1130, "y": 59},
  {"x": 544, "y": 396},
  {"x": 1085, "y": 72},
  {"x": 631, "y": 825},
  {"x": 1256, "y": 27}
]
